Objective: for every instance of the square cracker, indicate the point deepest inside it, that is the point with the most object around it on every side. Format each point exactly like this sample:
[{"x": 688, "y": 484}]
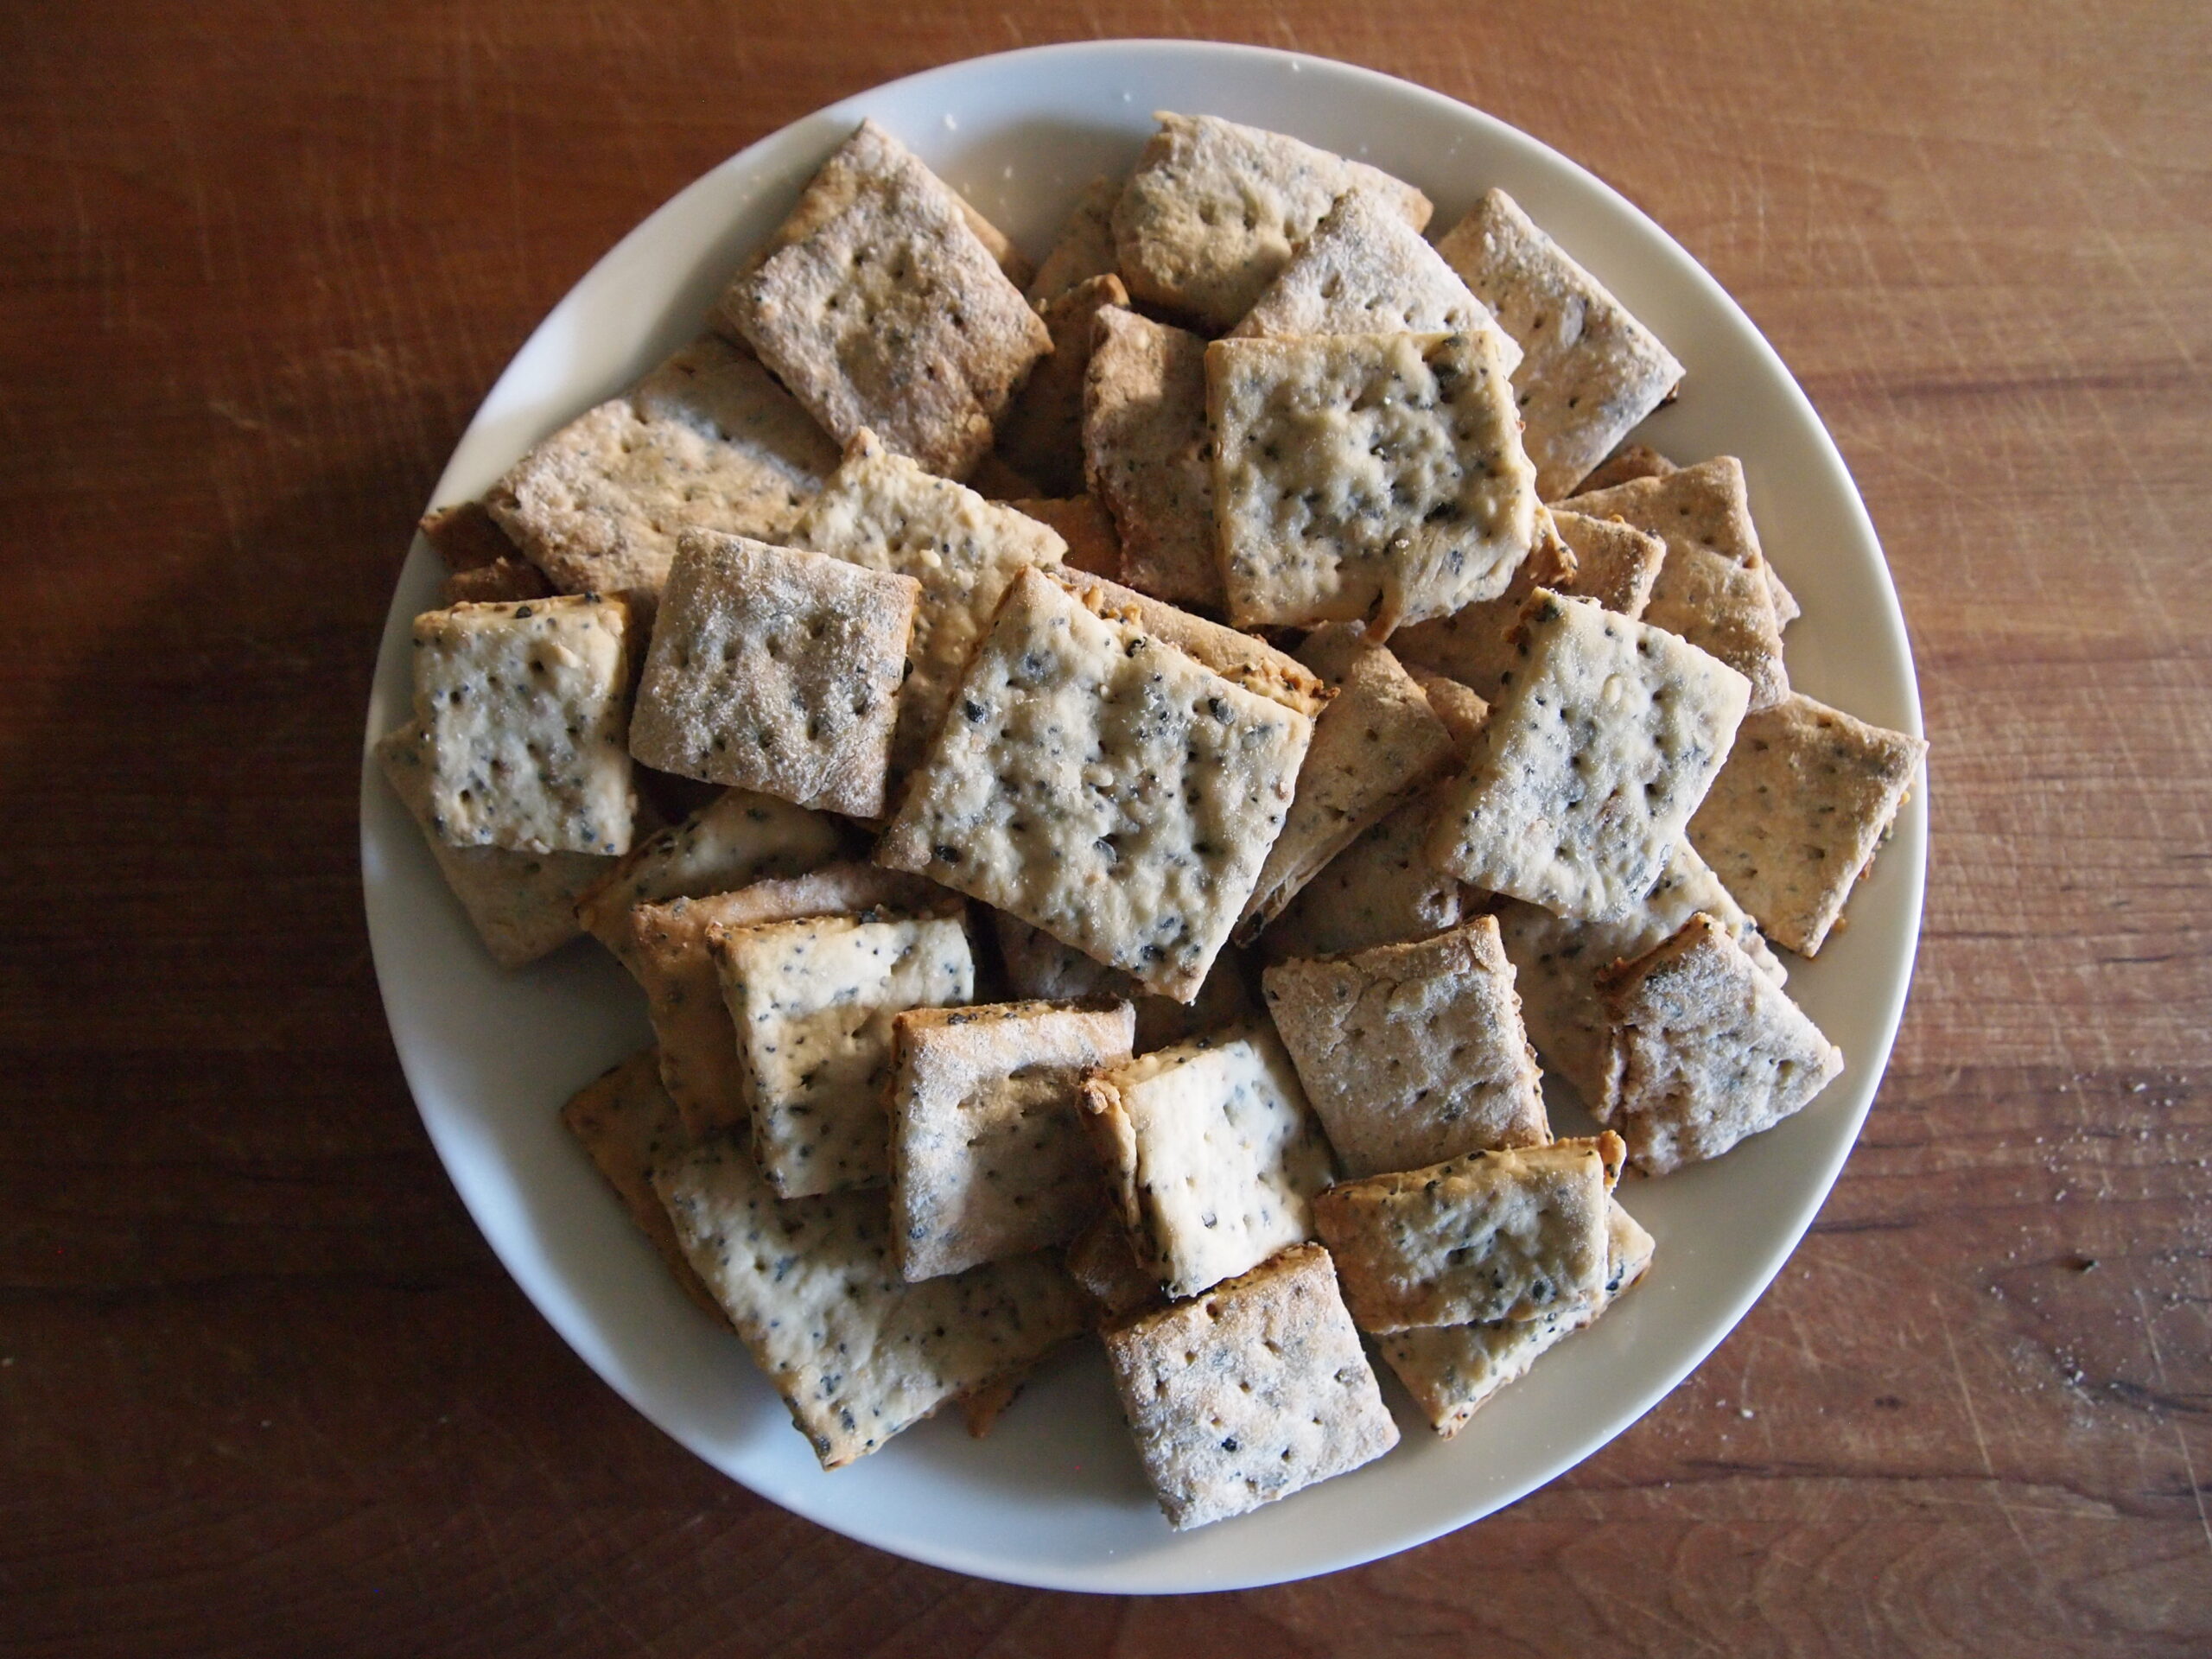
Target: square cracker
[
  {"x": 523, "y": 711},
  {"x": 813, "y": 1001},
  {"x": 1375, "y": 476},
  {"x": 1081, "y": 521},
  {"x": 1214, "y": 209},
  {"x": 668, "y": 952},
  {"x": 1365, "y": 270},
  {"x": 628, "y": 1127},
  {"x": 1591, "y": 762},
  {"x": 1713, "y": 588},
  {"x": 1242, "y": 658},
  {"x": 1590, "y": 371},
  {"x": 879, "y": 307},
  {"x": 1507, "y": 1235},
  {"x": 883, "y": 512},
  {"x": 1256, "y": 1391},
  {"x": 1380, "y": 890},
  {"x": 1799, "y": 812},
  {"x": 777, "y": 670},
  {"x": 1376, "y": 745},
  {"x": 707, "y": 438},
  {"x": 1084, "y": 247},
  {"x": 522, "y": 905},
  {"x": 1102, "y": 787},
  {"x": 1412, "y": 1053},
  {"x": 988, "y": 1154},
  {"x": 1556, "y": 962},
  {"x": 1041, "y": 432},
  {"x": 1213, "y": 1153},
  {"x": 1147, "y": 452},
  {"x": 1451, "y": 1371},
  {"x": 1704, "y": 1050},
  {"x": 811, "y": 1289}
]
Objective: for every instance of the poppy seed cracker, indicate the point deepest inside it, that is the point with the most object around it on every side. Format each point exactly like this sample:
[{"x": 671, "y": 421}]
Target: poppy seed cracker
[
  {"x": 1242, "y": 658},
  {"x": 1149, "y": 453}
]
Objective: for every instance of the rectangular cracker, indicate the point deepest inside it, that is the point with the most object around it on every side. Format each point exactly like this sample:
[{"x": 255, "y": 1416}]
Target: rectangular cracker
[
  {"x": 1147, "y": 454},
  {"x": 812, "y": 1002},
  {"x": 1590, "y": 371},
  {"x": 707, "y": 439},
  {"x": 1102, "y": 787},
  {"x": 667, "y": 951},
  {"x": 1380, "y": 890},
  {"x": 1590, "y": 763},
  {"x": 1242, "y": 658},
  {"x": 1039, "y": 967},
  {"x": 1799, "y": 810},
  {"x": 1376, "y": 745},
  {"x": 1084, "y": 246},
  {"x": 628, "y": 1127},
  {"x": 1365, "y": 476},
  {"x": 988, "y": 1155},
  {"x": 1212, "y": 1153},
  {"x": 810, "y": 1286},
  {"x": 777, "y": 670},
  {"x": 522, "y": 905},
  {"x": 1085, "y": 525},
  {"x": 879, "y": 307},
  {"x": 883, "y": 512},
  {"x": 1257, "y": 1391},
  {"x": 1041, "y": 432},
  {"x": 1453, "y": 1370},
  {"x": 1412, "y": 1053},
  {"x": 525, "y": 710},
  {"x": 1703, "y": 1050},
  {"x": 1490, "y": 1235},
  {"x": 1214, "y": 210}
]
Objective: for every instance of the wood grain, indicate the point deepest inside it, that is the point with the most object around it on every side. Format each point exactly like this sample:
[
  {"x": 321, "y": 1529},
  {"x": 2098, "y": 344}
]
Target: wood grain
[{"x": 264, "y": 1390}]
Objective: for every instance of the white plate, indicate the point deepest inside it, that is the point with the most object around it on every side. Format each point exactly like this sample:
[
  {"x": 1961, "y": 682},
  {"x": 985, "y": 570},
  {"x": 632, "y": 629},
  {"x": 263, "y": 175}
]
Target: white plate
[{"x": 1056, "y": 1495}]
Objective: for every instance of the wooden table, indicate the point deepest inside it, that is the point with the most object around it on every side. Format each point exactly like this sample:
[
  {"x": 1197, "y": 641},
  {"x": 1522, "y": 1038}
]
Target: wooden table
[{"x": 264, "y": 1390}]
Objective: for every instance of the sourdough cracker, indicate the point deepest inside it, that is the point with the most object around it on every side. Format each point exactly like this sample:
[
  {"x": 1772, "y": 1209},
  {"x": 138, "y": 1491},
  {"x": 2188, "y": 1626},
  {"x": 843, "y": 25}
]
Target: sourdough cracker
[
  {"x": 1380, "y": 890},
  {"x": 1149, "y": 453},
  {"x": 1464, "y": 714},
  {"x": 1242, "y": 658},
  {"x": 1629, "y": 461},
  {"x": 628, "y": 1127}
]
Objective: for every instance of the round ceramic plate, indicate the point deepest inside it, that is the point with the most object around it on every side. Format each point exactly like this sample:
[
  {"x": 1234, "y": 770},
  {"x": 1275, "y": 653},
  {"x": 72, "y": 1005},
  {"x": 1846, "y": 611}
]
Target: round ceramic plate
[{"x": 1056, "y": 1495}]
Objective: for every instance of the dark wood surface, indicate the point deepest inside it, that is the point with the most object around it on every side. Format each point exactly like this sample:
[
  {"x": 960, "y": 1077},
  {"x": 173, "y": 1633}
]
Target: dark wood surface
[{"x": 262, "y": 1388}]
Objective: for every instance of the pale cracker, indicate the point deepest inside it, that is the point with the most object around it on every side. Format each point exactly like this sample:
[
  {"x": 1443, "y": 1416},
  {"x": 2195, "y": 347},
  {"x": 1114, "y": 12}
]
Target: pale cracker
[
  {"x": 1375, "y": 476},
  {"x": 1041, "y": 432},
  {"x": 707, "y": 438},
  {"x": 1102, "y": 787},
  {"x": 1704, "y": 1050},
  {"x": 465, "y": 535},
  {"x": 988, "y": 1155},
  {"x": 525, "y": 710},
  {"x": 812, "y": 1002},
  {"x": 1253, "y": 1392},
  {"x": 1104, "y": 1265},
  {"x": 1507, "y": 1235},
  {"x": 1084, "y": 246},
  {"x": 1591, "y": 370},
  {"x": 777, "y": 670},
  {"x": 1214, "y": 209},
  {"x": 628, "y": 1126},
  {"x": 1242, "y": 658},
  {"x": 1213, "y": 1154},
  {"x": 879, "y": 308},
  {"x": 1081, "y": 521},
  {"x": 1412, "y": 1053},
  {"x": 810, "y": 1284},
  {"x": 1592, "y": 761},
  {"x": 1380, "y": 890},
  {"x": 882, "y": 511},
  {"x": 1149, "y": 453}
]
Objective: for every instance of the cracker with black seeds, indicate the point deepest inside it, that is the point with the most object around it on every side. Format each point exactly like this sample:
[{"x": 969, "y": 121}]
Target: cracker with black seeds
[
  {"x": 1590, "y": 371},
  {"x": 813, "y": 1004},
  {"x": 1380, "y": 890},
  {"x": 1590, "y": 763},
  {"x": 524, "y": 711},
  {"x": 1149, "y": 453},
  {"x": 777, "y": 670},
  {"x": 1214, "y": 210},
  {"x": 882, "y": 511},
  {"x": 1799, "y": 810},
  {"x": 1084, "y": 246},
  {"x": 1102, "y": 787},
  {"x": 1213, "y": 1153},
  {"x": 879, "y": 308},
  {"x": 1374, "y": 476},
  {"x": 1081, "y": 521},
  {"x": 1412, "y": 1053},
  {"x": 1253, "y": 1392},
  {"x": 1042, "y": 431},
  {"x": 1508, "y": 1234},
  {"x": 1242, "y": 658},
  {"x": 810, "y": 1284},
  {"x": 628, "y": 1126},
  {"x": 707, "y": 439},
  {"x": 1703, "y": 1050},
  {"x": 1453, "y": 1370},
  {"x": 988, "y": 1155}
]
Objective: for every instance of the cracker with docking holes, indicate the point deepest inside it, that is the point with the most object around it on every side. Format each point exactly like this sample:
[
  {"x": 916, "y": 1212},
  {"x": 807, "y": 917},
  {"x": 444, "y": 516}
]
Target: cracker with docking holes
[{"x": 1242, "y": 658}]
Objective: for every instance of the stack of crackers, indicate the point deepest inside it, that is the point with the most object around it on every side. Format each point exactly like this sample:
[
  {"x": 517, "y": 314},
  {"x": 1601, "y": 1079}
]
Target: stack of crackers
[{"x": 1116, "y": 781}]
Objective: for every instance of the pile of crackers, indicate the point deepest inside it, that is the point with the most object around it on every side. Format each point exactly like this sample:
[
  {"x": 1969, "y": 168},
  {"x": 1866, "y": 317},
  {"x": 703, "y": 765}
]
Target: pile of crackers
[{"x": 1108, "y": 792}]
